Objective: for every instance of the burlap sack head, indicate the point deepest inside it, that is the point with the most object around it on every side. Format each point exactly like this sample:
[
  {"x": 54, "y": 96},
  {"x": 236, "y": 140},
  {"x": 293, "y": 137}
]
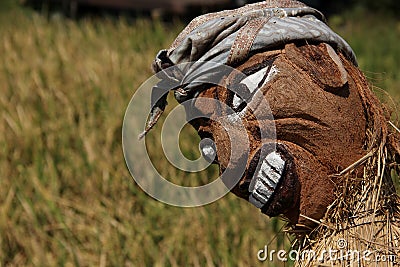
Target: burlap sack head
[
  {"x": 319, "y": 119},
  {"x": 319, "y": 104}
]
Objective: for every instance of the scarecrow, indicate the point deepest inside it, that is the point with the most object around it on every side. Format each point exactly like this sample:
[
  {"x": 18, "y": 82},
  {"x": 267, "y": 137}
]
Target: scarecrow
[{"x": 321, "y": 152}]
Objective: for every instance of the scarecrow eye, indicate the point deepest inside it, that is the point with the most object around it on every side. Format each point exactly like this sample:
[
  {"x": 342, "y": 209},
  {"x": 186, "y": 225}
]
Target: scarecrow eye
[{"x": 254, "y": 81}]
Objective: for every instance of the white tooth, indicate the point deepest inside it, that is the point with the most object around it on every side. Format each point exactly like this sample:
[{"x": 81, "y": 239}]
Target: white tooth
[
  {"x": 260, "y": 193},
  {"x": 269, "y": 173},
  {"x": 236, "y": 101},
  {"x": 275, "y": 160},
  {"x": 252, "y": 184},
  {"x": 262, "y": 190},
  {"x": 271, "y": 183},
  {"x": 260, "y": 196},
  {"x": 262, "y": 175},
  {"x": 263, "y": 185},
  {"x": 263, "y": 199},
  {"x": 208, "y": 151},
  {"x": 255, "y": 202}
]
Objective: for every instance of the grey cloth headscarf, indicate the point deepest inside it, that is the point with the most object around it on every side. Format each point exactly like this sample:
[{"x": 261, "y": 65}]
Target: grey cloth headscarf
[{"x": 230, "y": 37}]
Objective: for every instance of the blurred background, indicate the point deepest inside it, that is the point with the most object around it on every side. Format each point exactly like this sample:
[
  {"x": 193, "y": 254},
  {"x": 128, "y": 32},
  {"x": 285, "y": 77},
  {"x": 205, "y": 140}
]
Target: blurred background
[{"x": 68, "y": 70}]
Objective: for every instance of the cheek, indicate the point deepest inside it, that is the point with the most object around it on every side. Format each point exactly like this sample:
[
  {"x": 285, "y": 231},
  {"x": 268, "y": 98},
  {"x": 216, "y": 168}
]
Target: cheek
[
  {"x": 230, "y": 144},
  {"x": 215, "y": 142},
  {"x": 222, "y": 144}
]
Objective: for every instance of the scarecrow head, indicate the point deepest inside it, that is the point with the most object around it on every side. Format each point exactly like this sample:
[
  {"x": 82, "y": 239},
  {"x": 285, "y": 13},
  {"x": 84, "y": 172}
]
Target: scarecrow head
[
  {"x": 312, "y": 128},
  {"x": 289, "y": 111}
]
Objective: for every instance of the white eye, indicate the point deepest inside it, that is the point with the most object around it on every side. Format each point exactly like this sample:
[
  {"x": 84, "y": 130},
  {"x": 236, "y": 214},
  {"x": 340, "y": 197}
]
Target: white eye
[
  {"x": 252, "y": 81},
  {"x": 255, "y": 81}
]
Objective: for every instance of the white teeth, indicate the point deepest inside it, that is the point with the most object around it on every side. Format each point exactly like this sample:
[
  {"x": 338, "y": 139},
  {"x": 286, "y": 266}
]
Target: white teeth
[
  {"x": 255, "y": 202},
  {"x": 264, "y": 183},
  {"x": 275, "y": 160},
  {"x": 262, "y": 191},
  {"x": 269, "y": 173}
]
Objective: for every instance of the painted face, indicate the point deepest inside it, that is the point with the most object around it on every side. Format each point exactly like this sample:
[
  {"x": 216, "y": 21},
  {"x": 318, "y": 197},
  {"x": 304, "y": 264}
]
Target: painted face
[
  {"x": 313, "y": 128},
  {"x": 295, "y": 118}
]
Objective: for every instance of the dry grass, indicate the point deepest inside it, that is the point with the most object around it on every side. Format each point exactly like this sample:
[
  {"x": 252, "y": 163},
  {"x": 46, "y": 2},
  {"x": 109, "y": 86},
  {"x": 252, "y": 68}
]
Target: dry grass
[
  {"x": 66, "y": 197},
  {"x": 366, "y": 213},
  {"x": 374, "y": 37},
  {"x": 362, "y": 227}
]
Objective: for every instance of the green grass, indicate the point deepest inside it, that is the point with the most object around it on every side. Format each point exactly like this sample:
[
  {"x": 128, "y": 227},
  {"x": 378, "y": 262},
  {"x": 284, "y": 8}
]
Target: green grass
[
  {"x": 66, "y": 197},
  {"x": 375, "y": 39}
]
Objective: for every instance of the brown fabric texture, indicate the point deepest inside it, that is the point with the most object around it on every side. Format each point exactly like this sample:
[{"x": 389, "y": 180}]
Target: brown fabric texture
[
  {"x": 319, "y": 117},
  {"x": 323, "y": 112}
]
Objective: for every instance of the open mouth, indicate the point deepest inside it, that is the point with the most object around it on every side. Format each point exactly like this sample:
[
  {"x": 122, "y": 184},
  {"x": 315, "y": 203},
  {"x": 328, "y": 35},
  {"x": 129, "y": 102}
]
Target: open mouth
[{"x": 264, "y": 175}]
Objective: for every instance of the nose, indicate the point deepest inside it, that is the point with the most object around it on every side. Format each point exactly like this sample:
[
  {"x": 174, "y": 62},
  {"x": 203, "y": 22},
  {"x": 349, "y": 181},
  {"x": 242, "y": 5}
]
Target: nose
[{"x": 208, "y": 150}]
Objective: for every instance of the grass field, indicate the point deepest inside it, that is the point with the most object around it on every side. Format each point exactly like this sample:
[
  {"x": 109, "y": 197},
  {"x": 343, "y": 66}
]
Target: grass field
[{"x": 66, "y": 196}]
